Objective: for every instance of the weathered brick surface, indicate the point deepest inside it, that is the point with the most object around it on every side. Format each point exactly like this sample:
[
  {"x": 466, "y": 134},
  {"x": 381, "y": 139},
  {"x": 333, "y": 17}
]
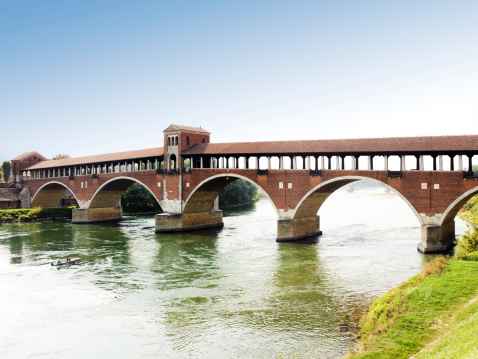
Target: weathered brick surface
[
  {"x": 85, "y": 192},
  {"x": 428, "y": 201}
]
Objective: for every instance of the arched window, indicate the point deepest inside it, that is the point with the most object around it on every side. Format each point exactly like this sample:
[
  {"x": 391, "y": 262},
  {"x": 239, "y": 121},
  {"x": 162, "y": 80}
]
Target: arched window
[
  {"x": 169, "y": 141},
  {"x": 172, "y": 162},
  {"x": 187, "y": 141},
  {"x": 203, "y": 140},
  {"x": 176, "y": 140}
]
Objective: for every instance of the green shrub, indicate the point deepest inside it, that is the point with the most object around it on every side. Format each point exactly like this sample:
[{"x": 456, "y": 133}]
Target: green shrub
[
  {"x": 468, "y": 243},
  {"x": 473, "y": 256}
]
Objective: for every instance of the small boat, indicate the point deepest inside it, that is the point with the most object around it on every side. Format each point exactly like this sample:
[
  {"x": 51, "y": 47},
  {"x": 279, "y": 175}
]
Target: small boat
[{"x": 71, "y": 261}]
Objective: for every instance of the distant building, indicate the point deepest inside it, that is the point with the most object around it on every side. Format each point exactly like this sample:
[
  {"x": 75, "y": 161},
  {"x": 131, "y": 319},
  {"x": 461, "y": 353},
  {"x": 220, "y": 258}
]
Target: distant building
[{"x": 9, "y": 198}]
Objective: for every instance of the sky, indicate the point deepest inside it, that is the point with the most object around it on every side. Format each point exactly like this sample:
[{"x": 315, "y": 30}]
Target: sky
[{"x": 85, "y": 77}]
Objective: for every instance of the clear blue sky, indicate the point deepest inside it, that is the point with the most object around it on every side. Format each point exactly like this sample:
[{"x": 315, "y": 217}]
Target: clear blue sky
[{"x": 90, "y": 77}]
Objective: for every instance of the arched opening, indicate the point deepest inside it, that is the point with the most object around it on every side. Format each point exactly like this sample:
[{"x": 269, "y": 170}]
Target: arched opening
[
  {"x": 172, "y": 162},
  {"x": 187, "y": 141},
  {"x": 315, "y": 198},
  {"x": 453, "y": 209},
  {"x": 203, "y": 140},
  {"x": 204, "y": 195},
  {"x": 50, "y": 195},
  {"x": 109, "y": 195}
]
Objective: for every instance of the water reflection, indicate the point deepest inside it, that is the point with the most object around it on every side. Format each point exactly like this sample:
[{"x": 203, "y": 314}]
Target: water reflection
[{"x": 233, "y": 292}]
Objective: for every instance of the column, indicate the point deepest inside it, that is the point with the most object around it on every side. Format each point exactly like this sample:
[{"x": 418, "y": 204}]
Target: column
[
  {"x": 440, "y": 162},
  {"x": 470, "y": 162},
  {"x": 402, "y": 163},
  {"x": 385, "y": 162},
  {"x": 421, "y": 164},
  {"x": 337, "y": 163},
  {"x": 257, "y": 162},
  {"x": 322, "y": 162},
  {"x": 307, "y": 166},
  {"x": 281, "y": 162},
  {"x": 201, "y": 164},
  {"x": 460, "y": 163},
  {"x": 370, "y": 163},
  {"x": 222, "y": 162},
  {"x": 268, "y": 162},
  {"x": 294, "y": 163}
]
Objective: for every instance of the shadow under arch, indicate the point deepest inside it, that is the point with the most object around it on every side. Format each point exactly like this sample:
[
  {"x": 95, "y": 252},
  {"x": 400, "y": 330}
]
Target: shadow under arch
[
  {"x": 49, "y": 195},
  {"x": 310, "y": 204},
  {"x": 109, "y": 193},
  {"x": 452, "y": 210},
  {"x": 203, "y": 196}
]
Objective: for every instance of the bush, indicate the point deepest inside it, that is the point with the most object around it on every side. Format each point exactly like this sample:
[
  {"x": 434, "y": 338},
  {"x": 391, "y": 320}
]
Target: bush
[
  {"x": 468, "y": 243},
  {"x": 473, "y": 256}
]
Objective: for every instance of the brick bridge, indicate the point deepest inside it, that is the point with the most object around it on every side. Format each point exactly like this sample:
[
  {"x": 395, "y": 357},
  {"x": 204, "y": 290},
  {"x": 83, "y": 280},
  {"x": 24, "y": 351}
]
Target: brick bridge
[{"x": 431, "y": 174}]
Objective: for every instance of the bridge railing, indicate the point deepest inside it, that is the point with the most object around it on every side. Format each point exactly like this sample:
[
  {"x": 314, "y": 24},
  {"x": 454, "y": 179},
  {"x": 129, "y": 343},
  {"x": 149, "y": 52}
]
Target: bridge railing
[
  {"x": 315, "y": 172},
  {"x": 397, "y": 174},
  {"x": 470, "y": 174}
]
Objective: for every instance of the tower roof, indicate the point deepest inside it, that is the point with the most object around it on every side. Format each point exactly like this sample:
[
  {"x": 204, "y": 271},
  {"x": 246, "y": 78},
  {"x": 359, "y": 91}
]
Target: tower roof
[{"x": 176, "y": 128}]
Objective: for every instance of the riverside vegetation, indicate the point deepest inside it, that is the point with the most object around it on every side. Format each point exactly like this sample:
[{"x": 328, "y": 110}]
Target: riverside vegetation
[{"x": 431, "y": 315}]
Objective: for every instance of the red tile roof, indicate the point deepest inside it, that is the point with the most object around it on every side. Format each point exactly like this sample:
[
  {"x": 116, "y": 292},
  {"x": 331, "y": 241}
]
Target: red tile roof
[
  {"x": 438, "y": 144},
  {"x": 26, "y": 154},
  {"x": 109, "y": 157},
  {"x": 174, "y": 128}
]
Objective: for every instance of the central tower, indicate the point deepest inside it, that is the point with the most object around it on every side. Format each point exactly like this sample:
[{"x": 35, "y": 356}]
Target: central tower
[{"x": 177, "y": 139}]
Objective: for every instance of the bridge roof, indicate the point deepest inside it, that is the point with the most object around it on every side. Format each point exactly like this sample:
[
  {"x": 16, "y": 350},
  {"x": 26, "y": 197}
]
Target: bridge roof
[
  {"x": 396, "y": 145},
  {"x": 109, "y": 157}
]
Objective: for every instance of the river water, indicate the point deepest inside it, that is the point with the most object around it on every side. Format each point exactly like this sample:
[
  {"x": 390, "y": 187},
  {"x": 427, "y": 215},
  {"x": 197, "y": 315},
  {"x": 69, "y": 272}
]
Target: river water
[{"x": 230, "y": 293}]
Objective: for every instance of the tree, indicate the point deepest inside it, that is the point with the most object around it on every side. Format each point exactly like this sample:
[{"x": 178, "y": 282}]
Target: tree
[
  {"x": 60, "y": 156},
  {"x": 238, "y": 192},
  {"x": 138, "y": 199},
  {"x": 6, "y": 170}
]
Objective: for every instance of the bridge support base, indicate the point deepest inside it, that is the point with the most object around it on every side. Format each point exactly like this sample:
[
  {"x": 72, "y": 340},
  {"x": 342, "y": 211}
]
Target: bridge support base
[
  {"x": 90, "y": 215},
  {"x": 436, "y": 239},
  {"x": 166, "y": 222},
  {"x": 294, "y": 229}
]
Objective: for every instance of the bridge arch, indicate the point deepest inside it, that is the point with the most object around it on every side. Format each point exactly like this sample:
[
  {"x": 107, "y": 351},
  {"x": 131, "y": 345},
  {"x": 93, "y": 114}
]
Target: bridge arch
[
  {"x": 310, "y": 204},
  {"x": 49, "y": 195},
  {"x": 109, "y": 193},
  {"x": 452, "y": 210},
  {"x": 202, "y": 197}
]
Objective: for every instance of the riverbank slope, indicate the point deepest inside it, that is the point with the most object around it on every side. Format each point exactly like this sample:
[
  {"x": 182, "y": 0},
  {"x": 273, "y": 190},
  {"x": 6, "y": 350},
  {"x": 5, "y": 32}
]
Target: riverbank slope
[
  {"x": 431, "y": 315},
  {"x": 403, "y": 321}
]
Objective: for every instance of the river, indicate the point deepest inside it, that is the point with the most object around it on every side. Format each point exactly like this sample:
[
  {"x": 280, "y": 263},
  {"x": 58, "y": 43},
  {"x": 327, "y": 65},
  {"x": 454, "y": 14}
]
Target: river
[{"x": 229, "y": 293}]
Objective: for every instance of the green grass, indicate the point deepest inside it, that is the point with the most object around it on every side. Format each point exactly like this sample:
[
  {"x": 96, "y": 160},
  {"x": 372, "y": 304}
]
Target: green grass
[
  {"x": 460, "y": 341},
  {"x": 405, "y": 319},
  {"x": 30, "y": 214}
]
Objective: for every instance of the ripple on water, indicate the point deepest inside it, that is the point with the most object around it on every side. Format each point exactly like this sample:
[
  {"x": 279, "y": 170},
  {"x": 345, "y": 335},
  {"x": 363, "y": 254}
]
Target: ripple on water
[{"x": 233, "y": 292}]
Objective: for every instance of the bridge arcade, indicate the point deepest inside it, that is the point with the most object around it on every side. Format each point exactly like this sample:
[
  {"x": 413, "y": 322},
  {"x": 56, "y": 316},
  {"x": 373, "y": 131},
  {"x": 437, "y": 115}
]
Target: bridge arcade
[{"x": 431, "y": 174}]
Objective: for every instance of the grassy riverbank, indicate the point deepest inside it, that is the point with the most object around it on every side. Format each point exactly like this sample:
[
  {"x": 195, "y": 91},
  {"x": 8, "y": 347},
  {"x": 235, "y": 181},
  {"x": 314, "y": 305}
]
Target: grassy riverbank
[
  {"x": 426, "y": 307},
  {"x": 34, "y": 214},
  {"x": 431, "y": 315}
]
